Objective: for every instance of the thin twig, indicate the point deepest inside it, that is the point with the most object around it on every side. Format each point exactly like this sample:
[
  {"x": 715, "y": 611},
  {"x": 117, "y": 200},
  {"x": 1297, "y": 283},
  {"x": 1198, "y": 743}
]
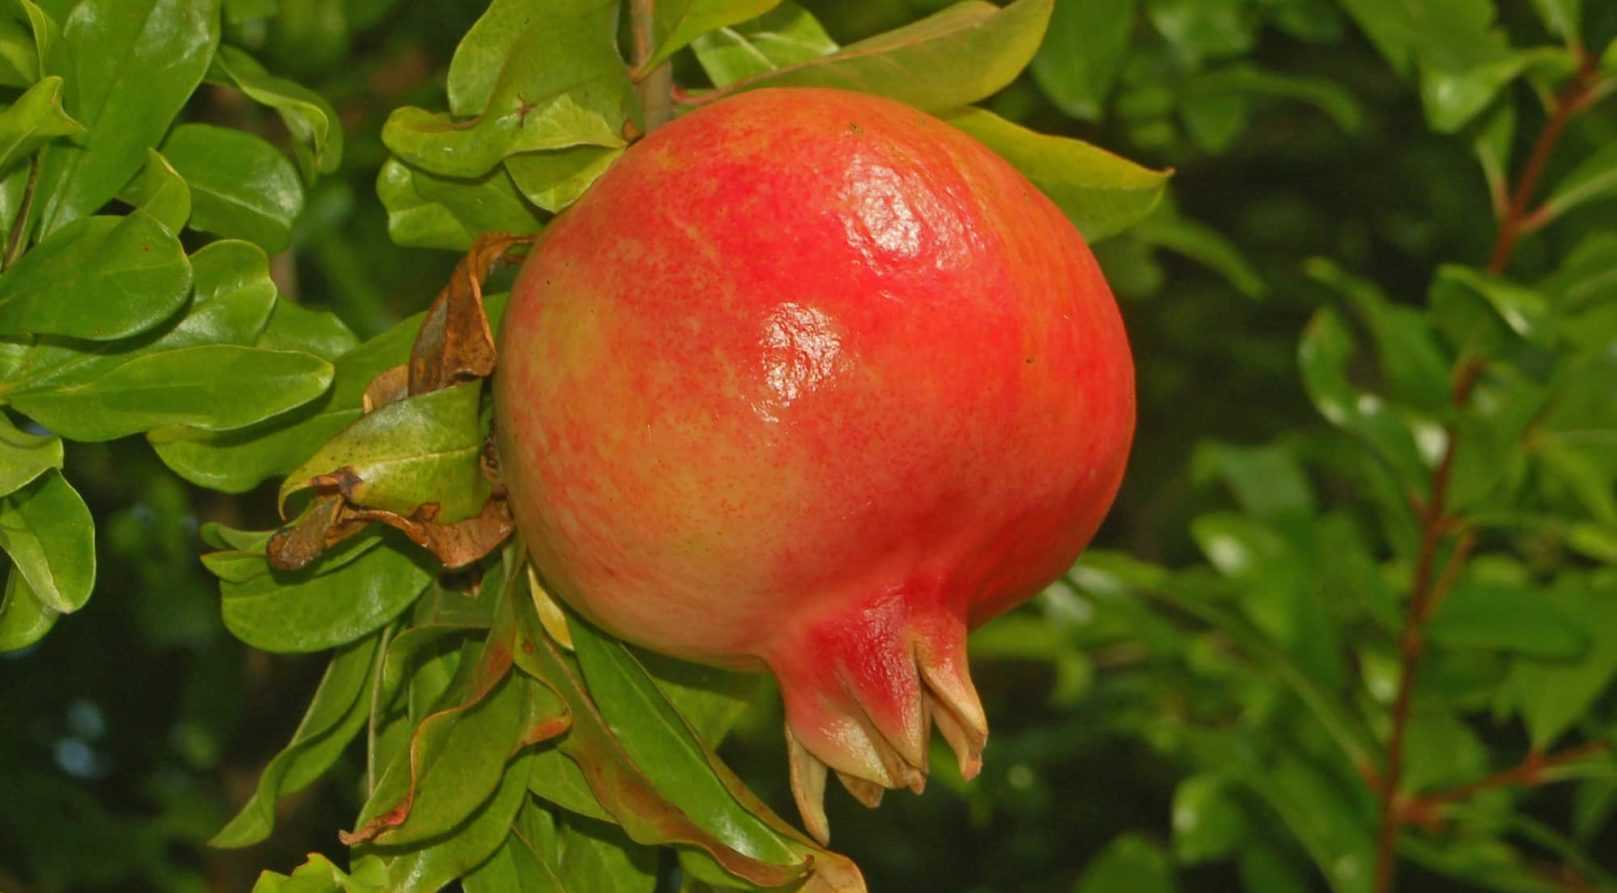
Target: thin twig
[
  {"x": 1577, "y": 96},
  {"x": 1429, "y": 586},
  {"x": 1533, "y": 770},
  {"x": 655, "y": 87},
  {"x": 14, "y": 244}
]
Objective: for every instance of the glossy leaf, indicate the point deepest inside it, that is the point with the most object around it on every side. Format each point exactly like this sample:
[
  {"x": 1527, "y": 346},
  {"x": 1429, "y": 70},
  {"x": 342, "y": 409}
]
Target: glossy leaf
[
  {"x": 955, "y": 57},
  {"x": 311, "y": 120},
  {"x": 1101, "y": 193},
  {"x": 335, "y": 714},
  {"x": 658, "y": 739},
  {"x": 436, "y": 865},
  {"x": 233, "y": 296},
  {"x": 414, "y": 451},
  {"x": 428, "y": 211},
  {"x": 1167, "y": 228},
  {"x": 19, "y": 61},
  {"x": 555, "y": 179},
  {"x": 34, "y": 119},
  {"x": 213, "y": 387},
  {"x": 99, "y": 278},
  {"x": 1267, "y": 481},
  {"x": 130, "y": 66},
  {"x": 319, "y": 875},
  {"x": 1524, "y": 310},
  {"x": 557, "y": 779},
  {"x": 25, "y": 456},
  {"x": 49, "y": 534},
  {"x": 241, "y": 186},
  {"x": 620, "y": 785},
  {"x": 564, "y": 85},
  {"x": 678, "y": 22},
  {"x": 597, "y": 856},
  {"x": 238, "y": 461},
  {"x": 160, "y": 192},
  {"x": 350, "y": 592},
  {"x": 481, "y": 56},
  {"x": 787, "y": 35},
  {"x": 1083, "y": 53},
  {"x": 24, "y": 620}
]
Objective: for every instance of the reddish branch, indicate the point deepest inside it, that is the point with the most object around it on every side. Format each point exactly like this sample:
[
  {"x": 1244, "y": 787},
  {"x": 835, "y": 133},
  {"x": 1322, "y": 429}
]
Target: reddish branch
[
  {"x": 1429, "y": 585},
  {"x": 1574, "y": 99}
]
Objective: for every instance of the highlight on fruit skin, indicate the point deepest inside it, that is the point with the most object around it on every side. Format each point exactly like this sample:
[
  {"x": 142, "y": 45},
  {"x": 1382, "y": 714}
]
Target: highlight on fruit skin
[{"x": 811, "y": 382}]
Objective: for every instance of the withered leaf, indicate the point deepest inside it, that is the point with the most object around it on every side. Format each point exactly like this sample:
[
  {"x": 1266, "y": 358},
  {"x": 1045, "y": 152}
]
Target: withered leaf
[{"x": 455, "y": 343}]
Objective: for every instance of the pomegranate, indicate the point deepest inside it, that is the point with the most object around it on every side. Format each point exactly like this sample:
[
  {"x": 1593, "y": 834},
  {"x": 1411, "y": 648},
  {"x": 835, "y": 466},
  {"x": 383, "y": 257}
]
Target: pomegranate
[{"x": 811, "y": 381}]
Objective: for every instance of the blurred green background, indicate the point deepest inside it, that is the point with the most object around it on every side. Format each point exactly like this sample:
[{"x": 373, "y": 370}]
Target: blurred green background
[{"x": 133, "y": 731}]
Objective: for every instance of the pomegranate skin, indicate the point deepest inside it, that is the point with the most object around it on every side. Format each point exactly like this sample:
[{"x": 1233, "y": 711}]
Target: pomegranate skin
[{"x": 810, "y": 380}]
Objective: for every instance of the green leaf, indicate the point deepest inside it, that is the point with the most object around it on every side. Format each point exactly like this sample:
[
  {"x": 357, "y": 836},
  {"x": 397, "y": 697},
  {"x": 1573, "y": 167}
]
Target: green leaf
[
  {"x": 1268, "y": 481},
  {"x": 336, "y": 713},
  {"x": 1130, "y": 863},
  {"x": 24, "y": 620},
  {"x": 237, "y": 461},
  {"x": 215, "y": 387},
  {"x": 1413, "y": 366},
  {"x": 241, "y": 186},
  {"x": 19, "y": 61},
  {"x": 1083, "y": 53},
  {"x": 597, "y": 856},
  {"x": 25, "y": 456},
  {"x": 320, "y": 332},
  {"x": 435, "y": 866},
  {"x": 558, "y": 779},
  {"x": 1208, "y": 823},
  {"x": 1205, "y": 29},
  {"x": 233, "y": 298},
  {"x": 481, "y": 56},
  {"x": 1101, "y": 193},
  {"x": 1524, "y": 310},
  {"x": 319, "y": 875},
  {"x": 564, "y": 84},
  {"x": 99, "y": 278},
  {"x": 555, "y": 179},
  {"x": 1553, "y": 696},
  {"x": 955, "y": 57},
  {"x": 1243, "y": 80},
  {"x": 1505, "y": 618},
  {"x": 421, "y": 449},
  {"x": 624, "y": 790},
  {"x": 514, "y": 868},
  {"x": 1324, "y": 353},
  {"x": 428, "y": 211},
  {"x": 1493, "y": 147},
  {"x": 1562, "y": 17},
  {"x": 660, "y": 741},
  {"x": 160, "y": 192},
  {"x": 130, "y": 66},
  {"x": 47, "y": 530},
  {"x": 33, "y": 120},
  {"x": 1594, "y": 179},
  {"x": 310, "y": 119},
  {"x": 785, "y": 36},
  {"x": 348, "y": 593},
  {"x": 678, "y": 22},
  {"x": 44, "y": 30},
  {"x": 1166, "y": 228}
]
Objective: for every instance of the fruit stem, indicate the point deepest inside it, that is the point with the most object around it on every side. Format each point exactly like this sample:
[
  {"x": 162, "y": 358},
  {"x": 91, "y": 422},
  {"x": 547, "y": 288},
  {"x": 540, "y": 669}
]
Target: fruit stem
[{"x": 656, "y": 87}]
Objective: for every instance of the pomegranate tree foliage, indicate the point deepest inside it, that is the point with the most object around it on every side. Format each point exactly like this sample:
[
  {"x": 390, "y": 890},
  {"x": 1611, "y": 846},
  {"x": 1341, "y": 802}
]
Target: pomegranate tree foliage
[{"x": 1323, "y": 643}]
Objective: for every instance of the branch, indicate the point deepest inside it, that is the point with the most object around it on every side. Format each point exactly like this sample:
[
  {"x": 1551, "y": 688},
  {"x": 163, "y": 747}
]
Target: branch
[
  {"x": 655, "y": 87},
  {"x": 1586, "y": 86},
  {"x": 1429, "y": 586}
]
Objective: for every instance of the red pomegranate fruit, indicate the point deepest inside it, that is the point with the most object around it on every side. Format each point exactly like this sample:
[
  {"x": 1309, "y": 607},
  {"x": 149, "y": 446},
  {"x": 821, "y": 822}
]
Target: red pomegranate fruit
[{"x": 811, "y": 381}]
